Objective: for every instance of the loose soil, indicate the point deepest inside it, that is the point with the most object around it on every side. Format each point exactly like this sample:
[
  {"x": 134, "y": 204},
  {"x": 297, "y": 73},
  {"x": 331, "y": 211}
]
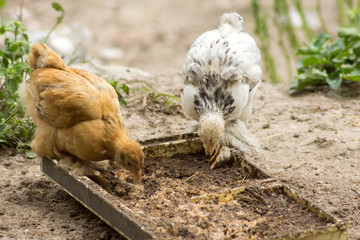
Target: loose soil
[
  {"x": 182, "y": 198},
  {"x": 310, "y": 141}
]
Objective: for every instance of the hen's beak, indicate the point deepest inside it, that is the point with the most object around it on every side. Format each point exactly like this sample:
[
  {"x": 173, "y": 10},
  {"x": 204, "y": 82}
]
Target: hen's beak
[
  {"x": 137, "y": 176},
  {"x": 209, "y": 150},
  {"x": 212, "y": 153}
]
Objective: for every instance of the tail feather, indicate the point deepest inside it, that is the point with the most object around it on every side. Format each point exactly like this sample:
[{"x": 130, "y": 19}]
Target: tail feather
[
  {"x": 230, "y": 22},
  {"x": 41, "y": 56}
]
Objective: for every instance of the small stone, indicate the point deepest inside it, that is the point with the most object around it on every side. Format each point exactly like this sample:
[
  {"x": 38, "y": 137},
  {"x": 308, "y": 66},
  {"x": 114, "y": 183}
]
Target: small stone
[
  {"x": 103, "y": 235},
  {"x": 288, "y": 166}
]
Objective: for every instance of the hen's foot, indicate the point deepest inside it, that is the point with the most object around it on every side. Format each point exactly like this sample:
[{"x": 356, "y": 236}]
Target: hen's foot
[
  {"x": 78, "y": 167},
  {"x": 222, "y": 157},
  {"x": 226, "y": 155},
  {"x": 216, "y": 154}
]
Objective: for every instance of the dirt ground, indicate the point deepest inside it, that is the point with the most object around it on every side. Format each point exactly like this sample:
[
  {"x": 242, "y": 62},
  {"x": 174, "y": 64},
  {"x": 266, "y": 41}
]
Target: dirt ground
[{"x": 310, "y": 141}]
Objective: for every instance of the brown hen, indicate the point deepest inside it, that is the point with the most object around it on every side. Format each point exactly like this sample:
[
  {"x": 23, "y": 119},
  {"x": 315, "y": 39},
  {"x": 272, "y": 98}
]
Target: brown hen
[{"x": 77, "y": 115}]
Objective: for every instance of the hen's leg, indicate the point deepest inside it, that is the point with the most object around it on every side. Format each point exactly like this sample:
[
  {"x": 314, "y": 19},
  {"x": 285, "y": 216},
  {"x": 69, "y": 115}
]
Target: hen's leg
[
  {"x": 236, "y": 141},
  {"x": 77, "y": 166}
]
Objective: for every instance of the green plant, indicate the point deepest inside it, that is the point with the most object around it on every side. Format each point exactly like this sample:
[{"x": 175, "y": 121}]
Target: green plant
[
  {"x": 307, "y": 30},
  {"x": 330, "y": 63},
  {"x": 261, "y": 30},
  {"x": 168, "y": 99},
  {"x": 161, "y": 102},
  {"x": 2, "y": 3},
  {"x": 59, "y": 20},
  {"x": 155, "y": 101},
  {"x": 284, "y": 28},
  {"x": 120, "y": 86},
  {"x": 14, "y": 127}
]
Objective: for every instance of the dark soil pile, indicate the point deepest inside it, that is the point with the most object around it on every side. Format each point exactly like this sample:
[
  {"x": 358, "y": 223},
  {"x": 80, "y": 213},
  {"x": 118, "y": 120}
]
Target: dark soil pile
[{"x": 183, "y": 198}]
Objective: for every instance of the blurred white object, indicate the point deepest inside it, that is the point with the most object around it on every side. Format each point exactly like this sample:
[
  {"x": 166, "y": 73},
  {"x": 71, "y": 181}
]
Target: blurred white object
[
  {"x": 68, "y": 41},
  {"x": 110, "y": 54},
  {"x": 115, "y": 72},
  {"x": 64, "y": 46},
  {"x": 311, "y": 18}
]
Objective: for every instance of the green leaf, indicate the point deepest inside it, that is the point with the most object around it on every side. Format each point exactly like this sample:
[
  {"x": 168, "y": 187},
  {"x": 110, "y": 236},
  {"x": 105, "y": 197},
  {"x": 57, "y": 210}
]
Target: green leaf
[
  {"x": 334, "y": 80},
  {"x": 57, "y": 7},
  {"x": 2, "y": 3},
  {"x": 19, "y": 67},
  {"x": 2, "y": 30},
  {"x": 313, "y": 60},
  {"x": 315, "y": 47},
  {"x": 59, "y": 20},
  {"x": 14, "y": 47},
  {"x": 342, "y": 57},
  {"x": 356, "y": 51},
  {"x": 25, "y": 36},
  {"x": 23, "y": 131},
  {"x": 335, "y": 48},
  {"x": 117, "y": 87},
  {"x": 354, "y": 75},
  {"x": 122, "y": 100},
  {"x": 308, "y": 49},
  {"x": 350, "y": 32},
  {"x": 11, "y": 85},
  {"x": 10, "y": 28},
  {"x": 293, "y": 87},
  {"x": 20, "y": 26},
  {"x": 356, "y": 48},
  {"x": 311, "y": 77},
  {"x": 3, "y": 128},
  {"x": 125, "y": 88},
  {"x": 347, "y": 68},
  {"x": 2, "y": 96},
  {"x": 30, "y": 154},
  {"x": 321, "y": 39},
  {"x": 2, "y": 71},
  {"x": 316, "y": 74}
]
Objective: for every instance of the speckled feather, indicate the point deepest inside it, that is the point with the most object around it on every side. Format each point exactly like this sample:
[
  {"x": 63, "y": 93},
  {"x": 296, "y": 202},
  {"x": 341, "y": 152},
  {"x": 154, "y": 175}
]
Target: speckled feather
[
  {"x": 214, "y": 97},
  {"x": 218, "y": 61}
]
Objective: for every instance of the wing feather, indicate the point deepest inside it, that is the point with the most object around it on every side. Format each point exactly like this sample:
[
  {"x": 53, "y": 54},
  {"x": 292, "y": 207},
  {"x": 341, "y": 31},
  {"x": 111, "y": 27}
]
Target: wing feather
[{"x": 63, "y": 99}]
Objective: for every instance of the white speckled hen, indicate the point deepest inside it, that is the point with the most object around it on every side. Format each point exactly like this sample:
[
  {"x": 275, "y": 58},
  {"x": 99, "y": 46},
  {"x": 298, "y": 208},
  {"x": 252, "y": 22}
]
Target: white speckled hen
[{"x": 221, "y": 73}]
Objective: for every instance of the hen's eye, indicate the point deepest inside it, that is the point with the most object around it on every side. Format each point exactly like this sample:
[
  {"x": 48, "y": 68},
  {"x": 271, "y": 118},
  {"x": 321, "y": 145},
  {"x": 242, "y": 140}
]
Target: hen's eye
[{"x": 129, "y": 163}]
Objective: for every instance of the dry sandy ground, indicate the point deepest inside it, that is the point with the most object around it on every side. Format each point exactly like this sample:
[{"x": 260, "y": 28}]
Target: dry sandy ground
[{"x": 310, "y": 141}]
